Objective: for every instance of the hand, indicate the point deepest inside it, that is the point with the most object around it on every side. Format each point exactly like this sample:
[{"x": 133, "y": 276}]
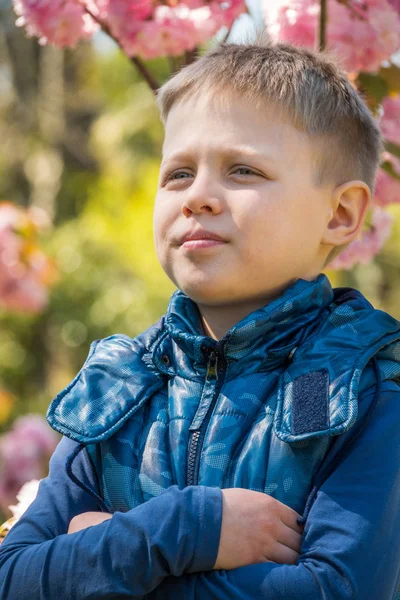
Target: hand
[
  {"x": 256, "y": 528},
  {"x": 87, "y": 519}
]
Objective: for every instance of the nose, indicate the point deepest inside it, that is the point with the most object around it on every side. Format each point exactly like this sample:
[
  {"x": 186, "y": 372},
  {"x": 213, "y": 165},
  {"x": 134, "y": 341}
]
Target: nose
[{"x": 202, "y": 196}]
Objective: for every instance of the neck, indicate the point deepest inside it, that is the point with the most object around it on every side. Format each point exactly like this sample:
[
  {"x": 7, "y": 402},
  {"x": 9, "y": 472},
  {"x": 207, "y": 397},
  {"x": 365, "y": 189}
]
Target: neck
[{"x": 218, "y": 320}]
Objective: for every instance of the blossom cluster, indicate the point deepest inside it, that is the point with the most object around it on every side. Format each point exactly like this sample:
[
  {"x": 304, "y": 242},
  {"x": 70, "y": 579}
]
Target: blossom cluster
[
  {"x": 387, "y": 187},
  {"x": 25, "y": 271},
  {"x": 25, "y": 497},
  {"x": 363, "y": 33},
  {"x": 60, "y": 22},
  {"x": 362, "y": 251},
  {"x": 141, "y": 27},
  {"x": 387, "y": 191},
  {"x": 25, "y": 452}
]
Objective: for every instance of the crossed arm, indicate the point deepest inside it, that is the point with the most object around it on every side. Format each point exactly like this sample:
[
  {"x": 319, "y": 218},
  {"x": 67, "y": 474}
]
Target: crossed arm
[
  {"x": 255, "y": 528},
  {"x": 169, "y": 547},
  {"x": 351, "y": 543}
]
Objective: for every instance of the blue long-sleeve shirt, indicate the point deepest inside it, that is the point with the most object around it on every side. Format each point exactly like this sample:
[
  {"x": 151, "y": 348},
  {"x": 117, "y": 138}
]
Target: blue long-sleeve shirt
[
  {"x": 351, "y": 540},
  {"x": 166, "y": 547},
  {"x": 126, "y": 556}
]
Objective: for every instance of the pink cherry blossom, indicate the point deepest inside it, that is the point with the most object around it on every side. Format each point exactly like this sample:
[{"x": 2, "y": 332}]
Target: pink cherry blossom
[
  {"x": 25, "y": 497},
  {"x": 98, "y": 8},
  {"x": 362, "y": 35},
  {"x": 172, "y": 30},
  {"x": 25, "y": 271},
  {"x": 390, "y": 120},
  {"x": 141, "y": 27},
  {"x": 395, "y": 4},
  {"x": 363, "y": 250},
  {"x": 122, "y": 14},
  {"x": 387, "y": 190},
  {"x": 24, "y": 455},
  {"x": 59, "y": 22}
]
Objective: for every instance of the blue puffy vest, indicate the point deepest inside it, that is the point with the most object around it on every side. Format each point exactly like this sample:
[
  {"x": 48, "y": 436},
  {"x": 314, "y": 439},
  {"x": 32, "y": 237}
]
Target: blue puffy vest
[{"x": 258, "y": 409}]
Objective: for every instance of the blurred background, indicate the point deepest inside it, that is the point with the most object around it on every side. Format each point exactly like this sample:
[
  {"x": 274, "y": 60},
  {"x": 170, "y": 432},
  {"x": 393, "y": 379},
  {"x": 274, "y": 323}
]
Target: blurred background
[{"x": 80, "y": 143}]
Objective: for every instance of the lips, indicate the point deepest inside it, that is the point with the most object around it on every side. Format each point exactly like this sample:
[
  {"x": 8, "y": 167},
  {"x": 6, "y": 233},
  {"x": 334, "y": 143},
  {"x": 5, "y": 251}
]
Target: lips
[{"x": 200, "y": 234}]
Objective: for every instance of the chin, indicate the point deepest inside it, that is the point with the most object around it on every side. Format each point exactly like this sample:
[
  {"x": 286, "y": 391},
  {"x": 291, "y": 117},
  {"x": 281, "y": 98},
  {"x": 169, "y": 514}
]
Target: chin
[{"x": 206, "y": 294}]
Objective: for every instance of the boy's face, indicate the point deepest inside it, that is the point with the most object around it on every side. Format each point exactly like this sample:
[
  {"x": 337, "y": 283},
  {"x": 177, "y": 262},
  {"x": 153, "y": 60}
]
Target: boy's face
[{"x": 245, "y": 175}]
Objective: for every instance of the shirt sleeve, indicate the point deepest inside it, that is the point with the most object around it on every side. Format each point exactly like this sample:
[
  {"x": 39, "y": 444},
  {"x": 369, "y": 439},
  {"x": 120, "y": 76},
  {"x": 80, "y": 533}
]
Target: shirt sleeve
[
  {"x": 127, "y": 555},
  {"x": 351, "y": 540}
]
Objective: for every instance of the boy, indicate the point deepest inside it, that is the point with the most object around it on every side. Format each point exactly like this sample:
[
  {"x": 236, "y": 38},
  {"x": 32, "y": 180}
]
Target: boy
[{"x": 263, "y": 400}]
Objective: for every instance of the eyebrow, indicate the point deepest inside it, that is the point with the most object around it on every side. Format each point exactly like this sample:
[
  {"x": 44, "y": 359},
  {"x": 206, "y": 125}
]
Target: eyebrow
[{"x": 227, "y": 152}]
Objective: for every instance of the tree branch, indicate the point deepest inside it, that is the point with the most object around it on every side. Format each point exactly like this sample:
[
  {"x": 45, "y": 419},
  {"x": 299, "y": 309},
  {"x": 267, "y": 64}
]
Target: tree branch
[
  {"x": 145, "y": 73},
  {"x": 227, "y": 35},
  {"x": 358, "y": 12},
  {"x": 140, "y": 66},
  {"x": 323, "y": 19}
]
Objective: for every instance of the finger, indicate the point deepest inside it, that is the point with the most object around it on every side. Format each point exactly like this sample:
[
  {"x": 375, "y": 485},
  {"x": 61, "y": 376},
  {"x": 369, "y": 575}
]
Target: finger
[
  {"x": 289, "y": 537},
  {"x": 283, "y": 555},
  {"x": 289, "y": 517}
]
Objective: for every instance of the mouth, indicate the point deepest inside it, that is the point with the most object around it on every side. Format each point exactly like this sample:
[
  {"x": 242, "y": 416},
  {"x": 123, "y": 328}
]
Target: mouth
[
  {"x": 200, "y": 236},
  {"x": 199, "y": 244}
]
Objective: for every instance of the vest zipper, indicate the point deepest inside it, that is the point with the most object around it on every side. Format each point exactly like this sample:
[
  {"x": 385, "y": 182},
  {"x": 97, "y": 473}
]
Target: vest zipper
[{"x": 196, "y": 438}]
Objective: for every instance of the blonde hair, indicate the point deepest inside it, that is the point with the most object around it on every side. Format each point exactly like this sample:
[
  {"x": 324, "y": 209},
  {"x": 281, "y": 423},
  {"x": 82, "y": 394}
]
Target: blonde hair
[{"x": 309, "y": 87}]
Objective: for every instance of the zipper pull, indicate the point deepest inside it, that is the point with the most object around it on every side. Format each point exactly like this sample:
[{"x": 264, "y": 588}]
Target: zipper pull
[{"x": 212, "y": 366}]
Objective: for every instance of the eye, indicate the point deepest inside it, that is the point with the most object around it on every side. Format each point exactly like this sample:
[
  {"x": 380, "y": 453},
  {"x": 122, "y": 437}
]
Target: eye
[
  {"x": 249, "y": 171},
  {"x": 176, "y": 175}
]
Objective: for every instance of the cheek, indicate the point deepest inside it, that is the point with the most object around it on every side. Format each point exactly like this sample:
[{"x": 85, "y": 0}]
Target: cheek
[
  {"x": 159, "y": 228},
  {"x": 160, "y": 222},
  {"x": 263, "y": 223},
  {"x": 163, "y": 223}
]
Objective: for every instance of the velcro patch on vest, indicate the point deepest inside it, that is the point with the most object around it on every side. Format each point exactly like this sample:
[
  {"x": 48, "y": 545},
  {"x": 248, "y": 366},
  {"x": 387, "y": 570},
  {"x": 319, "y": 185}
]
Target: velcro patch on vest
[{"x": 310, "y": 407}]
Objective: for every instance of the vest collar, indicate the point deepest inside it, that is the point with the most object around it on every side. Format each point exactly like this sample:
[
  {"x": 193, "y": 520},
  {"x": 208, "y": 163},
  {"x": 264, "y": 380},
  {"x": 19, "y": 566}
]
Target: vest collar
[
  {"x": 317, "y": 394},
  {"x": 267, "y": 329}
]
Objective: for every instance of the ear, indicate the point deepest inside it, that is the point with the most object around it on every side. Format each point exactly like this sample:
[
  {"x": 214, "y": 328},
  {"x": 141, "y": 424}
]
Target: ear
[{"x": 349, "y": 205}]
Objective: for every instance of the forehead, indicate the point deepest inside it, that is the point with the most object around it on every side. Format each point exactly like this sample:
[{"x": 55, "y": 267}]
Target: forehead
[{"x": 230, "y": 124}]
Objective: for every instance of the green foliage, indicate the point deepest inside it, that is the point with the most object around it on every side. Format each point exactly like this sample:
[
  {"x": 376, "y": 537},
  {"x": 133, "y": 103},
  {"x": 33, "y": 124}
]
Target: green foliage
[
  {"x": 381, "y": 84},
  {"x": 102, "y": 243},
  {"x": 392, "y": 148},
  {"x": 388, "y": 167}
]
